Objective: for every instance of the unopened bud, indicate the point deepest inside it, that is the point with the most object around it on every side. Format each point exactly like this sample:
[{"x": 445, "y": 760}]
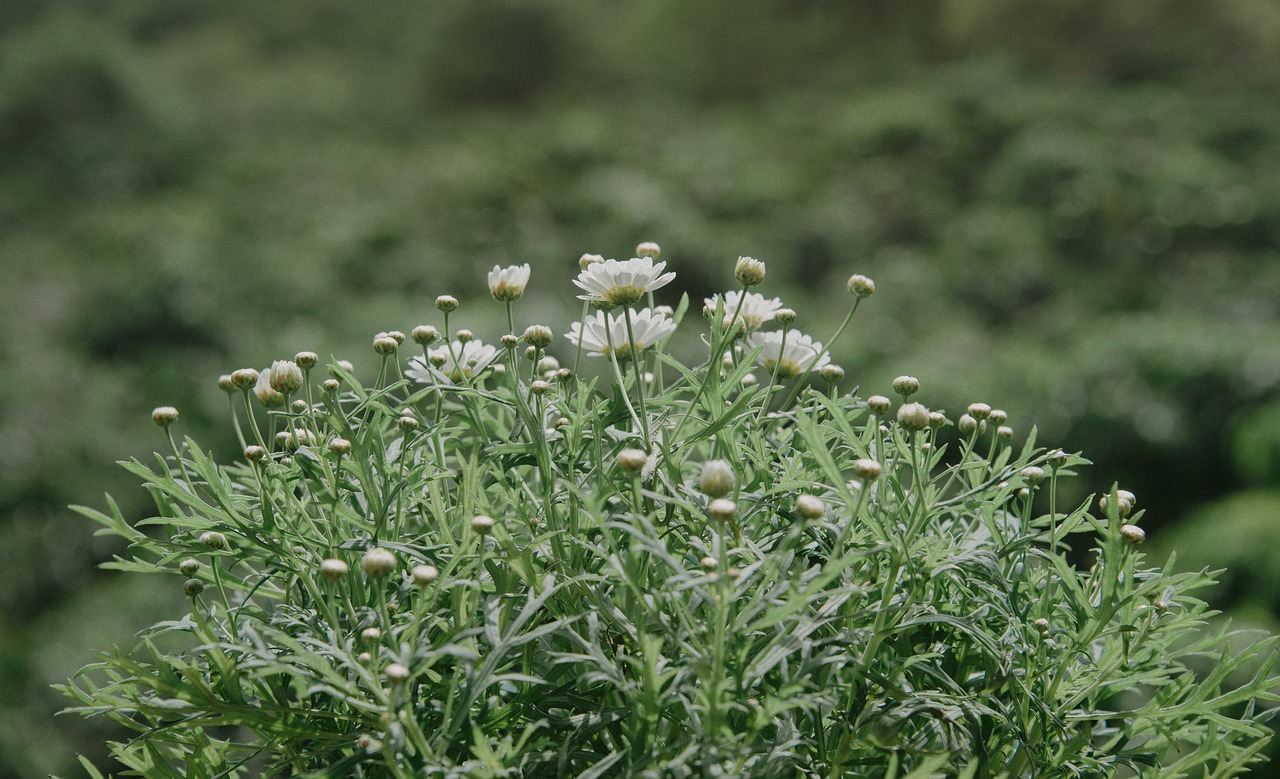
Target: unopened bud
[
  {"x": 632, "y": 460},
  {"x": 648, "y": 249},
  {"x": 339, "y": 446},
  {"x": 464, "y": 336},
  {"x": 749, "y": 271},
  {"x": 967, "y": 424},
  {"x": 879, "y": 405},
  {"x": 213, "y": 539},
  {"x": 979, "y": 411},
  {"x": 306, "y": 360},
  {"x": 1133, "y": 534},
  {"x": 371, "y": 635},
  {"x": 710, "y": 563},
  {"x": 831, "y": 372},
  {"x": 378, "y": 562},
  {"x": 717, "y": 478},
  {"x": 225, "y": 383},
  {"x": 587, "y": 260},
  {"x": 333, "y": 569},
  {"x": 424, "y": 575},
  {"x": 785, "y": 316},
  {"x": 1033, "y": 474},
  {"x": 193, "y": 587},
  {"x": 425, "y": 335},
  {"x": 539, "y": 387},
  {"x": 867, "y": 469},
  {"x": 189, "y": 567},
  {"x": 913, "y": 416},
  {"x": 810, "y": 507},
  {"x": 861, "y": 286},
  {"x": 253, "y": 453},
  {"x": 538, "y": 335},
  {"x": 385, "y": 344},
  {"x": 937, "y": 419},
  {"x": 164, "y": 415},
  {"x": 396, "y": 673},
  {"x": 482, "y": 524},
  {"x": 906, "y": 386},
  {"x": 447, "y": 303},
  {"x": 245, "y": 378},
  {"x": 722, "y": 509}
]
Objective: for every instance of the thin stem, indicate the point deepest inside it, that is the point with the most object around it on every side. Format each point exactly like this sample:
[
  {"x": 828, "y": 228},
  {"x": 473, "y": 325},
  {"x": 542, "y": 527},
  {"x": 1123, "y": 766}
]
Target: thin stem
[
  {"x": 795, "y": 390},
  {"x": 635, "y": 364}
]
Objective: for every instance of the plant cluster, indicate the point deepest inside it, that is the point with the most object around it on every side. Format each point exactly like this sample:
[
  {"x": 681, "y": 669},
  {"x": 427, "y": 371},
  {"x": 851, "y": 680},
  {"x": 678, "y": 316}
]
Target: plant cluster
[{"x": 483, "y": 563}]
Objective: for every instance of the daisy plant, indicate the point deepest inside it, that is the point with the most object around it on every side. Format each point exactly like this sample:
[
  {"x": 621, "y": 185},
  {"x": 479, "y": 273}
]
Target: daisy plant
[{"x": 484, "y": 567}]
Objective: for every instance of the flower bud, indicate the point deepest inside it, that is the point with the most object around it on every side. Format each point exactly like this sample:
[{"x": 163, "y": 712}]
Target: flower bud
[
  {"x": 648, "y": 249},
  {"x": 906, "y": 386},
  {"x": 810, "y": 507},
  {"x": 879, "y": 405},
  {"x": 298, "y": 406},
  {"x": 867, "y": 469},
  {"x": 225, "y": 383},
  {"x": 482, "y": 525},
  {"x": 253, "y": 453},
  {"x": 632, "y": 460},
  {"x": 425, "y": 335},
  {"x": 666, "y": 311},
  {"x": 913, "y": 416},
  {"x": 464, "y": 336},
  {"x": 1133, "y": 534},
  {"x": 1033, "y": 474},
  {"x": 531, "y": 352},
  {"x": 1057, "y": 458},
  {"x": 396, "y": 673},
  {"x": 998, "y": 416},
  {"x": 717, "y": 478},
  {"x": 538, "y": 335},
  {"x": 245, "y": 378},
  {"x": 364, "y": 657},
  {"x": 378, "y": 562},
  {"x": 937, "y": 419},
  {"x": 1125, "y": 501},
  {"x": 213, "y": 539},
  {"x": 385, "y": 344},
  {"x": 722, "y": 509},
  {"x": 587, "y": 260},
  {"x": 285, "y": 376},
  {"x": 733, "y": 573},
  {"x": 396, "y": 335},
  {"x": 861, "y": 286},
  {"x": 967, "y": 424},
  {"x": 564, "y": 374},
  {"x": 193, "y": 587},
  {"x": 339, "y": 446},
  {"x": 424, "y": 575},
  {"x": 785, "y": 316},
  {"x": 164, "y": 415},
  {"x": 333, "y": 569},
  {"x": 548, "y": 364},
  {"x": 979, "y": 411},
  {"x": 447, "y": 303},
  {"x": 831, "y": 372},
  {"x": 189, "y": 567},
  {"x": 750, "y": 380},
  {"x": 371, "y": 635},
  {"x": 1004, "y": 433},
  {"x": 306, "y": 360},
  {"x": 749, "y": 271},
  {"x": 1042, "y": 625},
  {"x": 539, "y": 387},
  {"x": 710, "y": 563}
]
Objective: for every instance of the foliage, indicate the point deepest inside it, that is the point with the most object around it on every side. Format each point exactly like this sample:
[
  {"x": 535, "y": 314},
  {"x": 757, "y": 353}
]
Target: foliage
[
  {"x": 1086, "y": 196},
  {"x": 672, "y": 569}
]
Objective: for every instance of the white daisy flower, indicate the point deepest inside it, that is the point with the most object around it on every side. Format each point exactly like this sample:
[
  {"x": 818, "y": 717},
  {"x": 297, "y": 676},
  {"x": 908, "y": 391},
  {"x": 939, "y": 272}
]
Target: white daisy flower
[
  {"x": 507, "y": 284},
  {"x": 756, "y": 308},
  {"x": 456, "y": 362},
  {"x": 649, "y": 328},
  {"x": 794, "y": 357},
  {"x": 613, "y": 283}
]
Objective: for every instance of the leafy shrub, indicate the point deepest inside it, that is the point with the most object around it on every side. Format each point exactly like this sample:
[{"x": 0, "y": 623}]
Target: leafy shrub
[{"x": 486, "y": 564}]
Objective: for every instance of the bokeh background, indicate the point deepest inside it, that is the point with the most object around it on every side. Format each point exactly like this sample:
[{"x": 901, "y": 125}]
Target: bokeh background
[{"x": 1071, "y": 209}]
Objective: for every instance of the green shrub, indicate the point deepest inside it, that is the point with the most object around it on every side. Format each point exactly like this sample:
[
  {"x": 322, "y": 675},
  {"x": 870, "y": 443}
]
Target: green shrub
[{"x": 485, "y": 564}]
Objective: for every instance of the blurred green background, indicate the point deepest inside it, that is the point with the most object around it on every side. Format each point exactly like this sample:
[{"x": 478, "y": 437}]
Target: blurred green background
[{"x": 1071, "y": 210}]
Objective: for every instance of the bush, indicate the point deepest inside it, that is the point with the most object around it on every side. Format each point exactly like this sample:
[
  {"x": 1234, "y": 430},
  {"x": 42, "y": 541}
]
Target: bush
[{"x": 486, "y": 564}]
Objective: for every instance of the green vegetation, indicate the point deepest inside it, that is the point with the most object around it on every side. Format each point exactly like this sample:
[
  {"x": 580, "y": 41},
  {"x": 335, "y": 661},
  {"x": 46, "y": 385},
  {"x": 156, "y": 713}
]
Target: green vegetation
[
  {"x": 1071, "y": 214},
  {"x": 493, "y": 567}
]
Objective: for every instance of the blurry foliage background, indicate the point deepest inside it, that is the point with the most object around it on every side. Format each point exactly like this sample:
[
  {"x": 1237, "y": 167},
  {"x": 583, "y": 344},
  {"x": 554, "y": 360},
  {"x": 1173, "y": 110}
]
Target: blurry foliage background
[{"x": 1071, "y": 210}]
